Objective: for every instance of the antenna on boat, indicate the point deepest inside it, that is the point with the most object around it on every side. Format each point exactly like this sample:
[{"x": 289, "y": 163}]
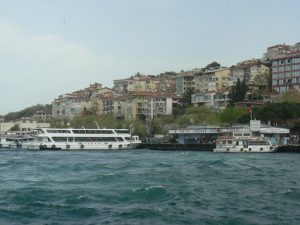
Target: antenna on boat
[{"x": 97, "y": 125}]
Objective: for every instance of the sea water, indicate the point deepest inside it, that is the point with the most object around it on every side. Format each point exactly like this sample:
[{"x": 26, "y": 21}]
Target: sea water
[{"x": 148, "y": 187}]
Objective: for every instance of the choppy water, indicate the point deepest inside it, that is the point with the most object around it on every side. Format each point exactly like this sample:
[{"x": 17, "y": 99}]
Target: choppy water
[{"x": 148, "y": 187}]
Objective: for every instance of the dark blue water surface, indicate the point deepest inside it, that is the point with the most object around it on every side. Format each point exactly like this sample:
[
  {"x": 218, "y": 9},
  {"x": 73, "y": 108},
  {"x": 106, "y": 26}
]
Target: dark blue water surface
[{"x": 148, "y": 187}]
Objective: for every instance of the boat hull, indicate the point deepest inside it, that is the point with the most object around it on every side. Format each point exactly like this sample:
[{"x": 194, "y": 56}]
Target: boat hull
[
  {"x": 265, "y": 149},
  {"x": 80, "y": 146}
]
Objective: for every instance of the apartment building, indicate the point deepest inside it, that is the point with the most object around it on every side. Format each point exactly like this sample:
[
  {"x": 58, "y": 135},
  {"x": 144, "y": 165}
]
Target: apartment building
[
  {"x": 286, "y": 72},
  {"x": 136, "y": 83},
  {"x": 185, "y": 82},
  {"x": 248, "y": 70},
  {"x": 212, "y": 81},
  {"x": 101, "y": 102},
  {"x": 68, "y": 106},
  {"x": 216, "y": 100},
  {"x": 279, "y": 51},
  {"x": 152, "y": 83},
  {"x": 145, "y": 105}
]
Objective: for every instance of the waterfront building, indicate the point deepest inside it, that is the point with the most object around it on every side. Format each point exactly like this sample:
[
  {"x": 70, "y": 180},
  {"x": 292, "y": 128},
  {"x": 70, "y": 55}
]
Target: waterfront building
[
  {"x": 22, "y": 125},
  {"x": 286, "y": 72},
  {"x": 209, "y": 134}
]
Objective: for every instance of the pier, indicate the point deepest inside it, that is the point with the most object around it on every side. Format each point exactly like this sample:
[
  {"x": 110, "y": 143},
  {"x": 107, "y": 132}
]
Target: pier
[
  {"x": 179, "y": 147},
  {"x": 289, "y": 149}
]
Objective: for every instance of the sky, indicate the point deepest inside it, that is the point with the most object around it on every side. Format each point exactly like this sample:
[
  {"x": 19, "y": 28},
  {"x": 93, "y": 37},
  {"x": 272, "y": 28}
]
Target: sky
[{"x": 48, "y": 48}]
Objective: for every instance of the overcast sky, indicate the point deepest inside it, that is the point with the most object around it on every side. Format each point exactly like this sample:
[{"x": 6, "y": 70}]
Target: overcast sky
[{"x": 48, "y": 48}]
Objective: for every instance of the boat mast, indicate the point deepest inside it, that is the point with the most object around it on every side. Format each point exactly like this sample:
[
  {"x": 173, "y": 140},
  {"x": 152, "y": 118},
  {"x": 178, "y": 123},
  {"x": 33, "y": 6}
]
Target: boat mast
[{"x": 97, "y": 125}]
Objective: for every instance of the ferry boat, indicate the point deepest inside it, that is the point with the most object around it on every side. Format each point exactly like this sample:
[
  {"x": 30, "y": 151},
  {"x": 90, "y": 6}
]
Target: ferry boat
[
  {"x": 82, "y": 139},
  {"x": 244, "y": 142}
]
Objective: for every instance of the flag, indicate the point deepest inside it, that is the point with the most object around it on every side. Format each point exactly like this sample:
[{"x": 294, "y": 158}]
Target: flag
[{"x": 249, "y": 108}]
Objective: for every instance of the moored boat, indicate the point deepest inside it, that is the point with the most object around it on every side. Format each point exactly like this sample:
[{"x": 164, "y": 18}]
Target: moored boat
[
  {"x": 82, "y": 139},
  {"x": 244, "y": 142}
]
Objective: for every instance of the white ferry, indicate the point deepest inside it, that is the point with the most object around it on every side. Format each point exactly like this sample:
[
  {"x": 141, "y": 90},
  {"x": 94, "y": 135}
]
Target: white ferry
[
  {"x": 81, "y": 139},
  {"x": 243, "y": 142}
]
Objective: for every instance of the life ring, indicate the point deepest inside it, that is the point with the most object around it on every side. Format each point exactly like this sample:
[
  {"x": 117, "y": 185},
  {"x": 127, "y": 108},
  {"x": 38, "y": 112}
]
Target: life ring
[
  {"x": 109, "y": 146},
  {"x": 82, "y": 146},
  {"x": 53, "y": 146},
  {"x": 67, "y": 146},
  {"x": 120, "y": 146}
]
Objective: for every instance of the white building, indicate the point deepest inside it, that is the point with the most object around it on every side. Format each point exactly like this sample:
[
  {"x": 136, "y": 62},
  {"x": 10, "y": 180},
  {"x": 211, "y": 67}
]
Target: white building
[
  {"x": 22, "y": 125},
  {"x": 214, "y": 100}
]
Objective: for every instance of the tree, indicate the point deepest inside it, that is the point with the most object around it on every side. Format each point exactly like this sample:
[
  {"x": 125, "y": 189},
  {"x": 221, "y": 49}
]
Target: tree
[
  {"x": 187, "y": 97},
  {"x": 292, "y": 95},
  {"x": 16, "y": 127},
  {"x": 238, "y": 92},
  {"x": 232, "y": 115},
  {"x": 199, "y": 116},
  {"x": 212, "y": 66},
  {"x": 27, "y": 112},
  {"x": 285, "y": 114}
]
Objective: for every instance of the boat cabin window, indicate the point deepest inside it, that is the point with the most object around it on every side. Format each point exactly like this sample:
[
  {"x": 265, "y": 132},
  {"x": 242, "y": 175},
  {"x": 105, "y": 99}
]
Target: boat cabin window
[
  {"x": 58, "y": 131},
  {"x": 60, "y": 139},
  {"x": 92, "y": 131},
  {"x": 127, "y": 138},
  {"x": 259, "y": 142},
  {"x": 122, "y": 131},
  {"x": 246, "y": 134},
  {"x": 119, "y": 139},
  {"x": 95, "y": 139},
  {"x": 70, "y": 139},
  {"x": 229, "y": 142}
]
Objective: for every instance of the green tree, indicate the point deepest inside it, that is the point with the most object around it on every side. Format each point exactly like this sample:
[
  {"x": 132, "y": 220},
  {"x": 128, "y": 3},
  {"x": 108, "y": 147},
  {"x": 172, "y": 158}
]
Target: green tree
[
  {"x": 212, "y": 66},
  {"x": 199, "y": 116},
  {"x": 292, "y": 95},
  {"x": 27, "y": 112},
  {"x": 286, "y": 114},
  {"x": 16, "y": 127},
  {"x": 233, "y": 114},
  {"x": 187, "y": 97},
  {"x": 238, "y": 92}
]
